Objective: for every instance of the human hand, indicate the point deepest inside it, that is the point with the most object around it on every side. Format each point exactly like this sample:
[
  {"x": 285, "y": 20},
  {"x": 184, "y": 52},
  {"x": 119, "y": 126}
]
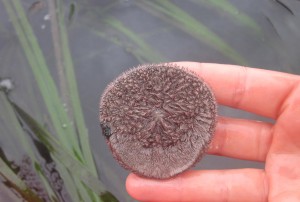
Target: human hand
[{"x": 271, "y": 94}]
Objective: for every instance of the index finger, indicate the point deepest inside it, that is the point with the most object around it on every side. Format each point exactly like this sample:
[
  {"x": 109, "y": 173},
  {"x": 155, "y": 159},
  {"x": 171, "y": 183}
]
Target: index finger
[{"x": 262, "y": 92}]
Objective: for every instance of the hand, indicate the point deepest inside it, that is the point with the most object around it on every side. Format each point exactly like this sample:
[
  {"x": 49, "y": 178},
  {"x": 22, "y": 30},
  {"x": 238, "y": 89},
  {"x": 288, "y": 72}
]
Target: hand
[{"x": 271, "y": 94}]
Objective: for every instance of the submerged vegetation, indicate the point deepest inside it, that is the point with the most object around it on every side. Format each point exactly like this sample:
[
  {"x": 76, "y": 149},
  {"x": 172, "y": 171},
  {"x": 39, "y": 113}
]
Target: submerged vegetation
[
  {"x": 68, "y": 152},
  {"x": 45, "y": 152}
]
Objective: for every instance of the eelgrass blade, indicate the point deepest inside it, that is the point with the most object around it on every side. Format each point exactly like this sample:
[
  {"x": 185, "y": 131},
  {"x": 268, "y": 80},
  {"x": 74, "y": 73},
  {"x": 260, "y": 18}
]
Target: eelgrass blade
[
  {"x": 7, "y": 173},
  {"x": 74, "y": 98},
  {"x": 11, "y": 180},
  {"x": 68, "y": 79},
  {"x": 69, "y": 184},
  {"x": 107, "y": 196},
  {"x": 136, "y": 53},
  {"x": 144, "y": 50},
  {"x": 190, "y": 25},
  {"x": 115, "y": 182},
  {"x": 18, "y": 142},
  {"x": 228, "y": 8},
  {"x": 135, "y": 44},
  {"x": 47, "y": 87},
  {"x": 21, "y": 142},
  {"x": 62, "y": 156}
]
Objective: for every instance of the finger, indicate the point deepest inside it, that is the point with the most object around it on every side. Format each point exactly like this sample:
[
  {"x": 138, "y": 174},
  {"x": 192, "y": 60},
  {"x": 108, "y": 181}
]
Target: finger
[
  {"x": 254, "y": 90},
  {"x": 243, "y": 139},
  {"x": 287, "y": 127},
  {"x": 217, "y": 185}
]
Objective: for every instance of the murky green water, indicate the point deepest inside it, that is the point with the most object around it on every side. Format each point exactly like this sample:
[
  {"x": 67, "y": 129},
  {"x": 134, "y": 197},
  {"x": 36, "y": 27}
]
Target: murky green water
[{"x": 55, "y": 64}]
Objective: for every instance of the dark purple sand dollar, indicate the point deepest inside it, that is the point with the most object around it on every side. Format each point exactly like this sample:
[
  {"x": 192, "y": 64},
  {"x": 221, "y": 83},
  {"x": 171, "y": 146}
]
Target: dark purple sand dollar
[{"x": 158, "y": 119}]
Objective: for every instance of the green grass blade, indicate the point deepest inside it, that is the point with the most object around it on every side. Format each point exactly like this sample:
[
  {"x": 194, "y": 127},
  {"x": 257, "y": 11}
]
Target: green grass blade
[
  {"x": 14, "y": 182},
  {"x": 20, "y": 141},
  {"x": 69, "y": 183},
  {"x": 47, "y": 87},
  {"x": 49, "y": 189},
  {"x": 74, "y": 96},
  {"x": 77, "y": 169},
  {"x": 191, "y": 26},
  {"x": 42, "y": 75},
  {"x": 144, "y": 50},
  {"x": 136, "y": 44},
  {"x": 86, "y": 193},
  {"x": 7, "y": 173},
  {"x": 107, "y": 196},
  {"x": 73, "y": 100},
  {"x": 136, "y": 52},
  {"x": 233, "y": 11}
]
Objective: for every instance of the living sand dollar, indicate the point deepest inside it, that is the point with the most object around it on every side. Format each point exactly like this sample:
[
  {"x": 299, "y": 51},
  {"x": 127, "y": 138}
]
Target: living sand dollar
[{"x": 158, "y": 119}]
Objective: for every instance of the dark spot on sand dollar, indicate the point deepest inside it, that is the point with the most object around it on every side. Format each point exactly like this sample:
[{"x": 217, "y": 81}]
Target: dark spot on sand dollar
[
  {"x": 105, "y": 130},
  {"x": 162, "y": 118}
]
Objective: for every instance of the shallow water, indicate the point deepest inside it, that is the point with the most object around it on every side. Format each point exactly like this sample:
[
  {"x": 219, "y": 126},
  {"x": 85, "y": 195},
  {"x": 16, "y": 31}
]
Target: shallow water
[{"x": 109, "y": 37}]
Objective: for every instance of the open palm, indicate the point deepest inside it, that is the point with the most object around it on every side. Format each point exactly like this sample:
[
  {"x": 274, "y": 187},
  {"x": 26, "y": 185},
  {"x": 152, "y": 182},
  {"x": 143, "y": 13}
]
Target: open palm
[{"x": 271, "y": 94}]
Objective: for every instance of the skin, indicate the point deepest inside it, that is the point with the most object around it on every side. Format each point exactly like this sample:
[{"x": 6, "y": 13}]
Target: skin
[{"x": 267, "y": 93}]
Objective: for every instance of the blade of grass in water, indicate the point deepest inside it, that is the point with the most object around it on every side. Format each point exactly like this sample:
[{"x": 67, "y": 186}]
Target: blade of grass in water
[
  {"x": 15, "y": 129},
  {"x": 141, "y": 54},
  {"x": 232, "y": 11},
  {"x": 21, "y": 142},
  {"x": 63, "y": 156},
  {"x": 74, "y": 96},
  {"x": 42, "y": 75},
  {"x": 144, "y": 50},
  {"x": 59, "y": 61},
  {"x": 68, "y": 180},
  {"x": 37, "y": 62},
  {"x": 7, "y": 173},
  {"x": 191, "y": 26},
  {"x": 68, "y": 79},
  {"x": 141, "y": 50},
  {"x": 137, "y": 54},
  {"x": 15, "y": 183}
]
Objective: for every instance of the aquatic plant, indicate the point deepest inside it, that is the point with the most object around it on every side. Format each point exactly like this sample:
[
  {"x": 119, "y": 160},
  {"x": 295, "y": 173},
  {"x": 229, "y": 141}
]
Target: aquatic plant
[
  {"x": 56, "y": 162},
  {"x": 68, "y": 146}
]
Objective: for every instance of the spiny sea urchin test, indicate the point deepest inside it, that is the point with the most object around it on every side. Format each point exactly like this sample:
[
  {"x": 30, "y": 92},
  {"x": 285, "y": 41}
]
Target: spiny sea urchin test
[{"x": 158, "y": 119}]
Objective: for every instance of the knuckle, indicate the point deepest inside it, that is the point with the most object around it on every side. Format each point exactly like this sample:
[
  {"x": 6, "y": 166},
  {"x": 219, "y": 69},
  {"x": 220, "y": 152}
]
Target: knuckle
[{"x": 240, "y": 87}]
